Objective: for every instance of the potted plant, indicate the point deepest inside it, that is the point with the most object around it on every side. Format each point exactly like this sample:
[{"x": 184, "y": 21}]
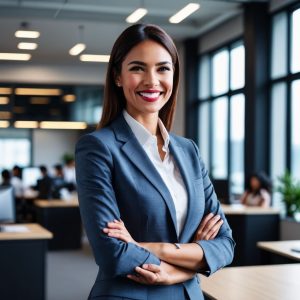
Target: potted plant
[{"x": 289, "y": 188}]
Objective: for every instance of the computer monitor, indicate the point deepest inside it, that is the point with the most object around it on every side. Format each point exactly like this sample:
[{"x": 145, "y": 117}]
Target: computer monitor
[
  {"x": 221, "y": 187},
  {"x": 7, "y": 205},
  {"x": 30, "y": 176}
]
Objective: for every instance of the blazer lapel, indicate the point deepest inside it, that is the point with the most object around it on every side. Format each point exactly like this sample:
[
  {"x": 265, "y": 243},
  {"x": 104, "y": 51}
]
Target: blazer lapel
[
  {"x": 181, "y": 159},
  {"x": 136, "y": 154}
]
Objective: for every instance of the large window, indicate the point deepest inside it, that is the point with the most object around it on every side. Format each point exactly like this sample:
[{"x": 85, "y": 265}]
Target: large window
[
  {"x": 285, "y": 93},
  {"x": 222, "y": 113}
]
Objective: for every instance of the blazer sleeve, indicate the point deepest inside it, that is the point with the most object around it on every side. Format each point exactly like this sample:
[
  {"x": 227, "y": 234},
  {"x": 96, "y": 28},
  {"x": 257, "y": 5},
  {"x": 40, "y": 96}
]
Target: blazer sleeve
[
  {"x": 98, "y": 205},
  {"x": 219, "y": 251}
]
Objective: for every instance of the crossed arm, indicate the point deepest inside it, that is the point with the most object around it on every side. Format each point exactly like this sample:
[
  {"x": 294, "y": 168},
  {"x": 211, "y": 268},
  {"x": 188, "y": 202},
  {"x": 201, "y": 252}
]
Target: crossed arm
[{"x": 177, "y": 265}]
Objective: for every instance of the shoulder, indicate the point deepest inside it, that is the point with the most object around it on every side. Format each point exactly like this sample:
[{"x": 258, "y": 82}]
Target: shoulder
[{"x": 185, "y": 143}]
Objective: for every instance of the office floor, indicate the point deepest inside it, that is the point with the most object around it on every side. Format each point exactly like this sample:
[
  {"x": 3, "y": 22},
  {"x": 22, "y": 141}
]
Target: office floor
[{"x": 70, "y": 274}]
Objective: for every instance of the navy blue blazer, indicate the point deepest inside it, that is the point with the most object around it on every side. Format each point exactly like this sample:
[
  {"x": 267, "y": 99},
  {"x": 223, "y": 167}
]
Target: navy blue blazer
[{"x": 116, "y": 179}]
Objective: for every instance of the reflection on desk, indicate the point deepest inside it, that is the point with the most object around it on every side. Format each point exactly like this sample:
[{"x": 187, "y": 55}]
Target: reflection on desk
[
  {"x": 282, "y": 248},
  {"x": 257, "y": 282},
  {"x": 56, "y": 203},
  {"x": 239, "y": 209}
]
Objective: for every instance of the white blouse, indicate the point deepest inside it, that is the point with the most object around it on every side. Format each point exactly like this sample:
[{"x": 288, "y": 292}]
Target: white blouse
[{"x": 167, "y": 167}]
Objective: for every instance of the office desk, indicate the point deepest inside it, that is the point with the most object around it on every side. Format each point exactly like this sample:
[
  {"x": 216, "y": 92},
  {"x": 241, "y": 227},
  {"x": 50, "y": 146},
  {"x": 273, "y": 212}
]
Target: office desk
[
  {"x": 23, "y": 263},
  {"x": 62, "y": 218},
  {"x": 279, "y": 252},
  {"x": 251, "y": 225},
  {"x": 279, "y": 282}
]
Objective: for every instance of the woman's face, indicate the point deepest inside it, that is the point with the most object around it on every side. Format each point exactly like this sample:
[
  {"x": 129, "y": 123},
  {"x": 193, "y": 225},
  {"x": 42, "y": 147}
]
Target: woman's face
[
  {"x": 255, "y": 183},
  {"x": 146, "y": 78}
]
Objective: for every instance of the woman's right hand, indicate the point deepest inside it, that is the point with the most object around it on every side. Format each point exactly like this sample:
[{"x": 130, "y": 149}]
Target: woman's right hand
[{"x": 209, "y": 227}]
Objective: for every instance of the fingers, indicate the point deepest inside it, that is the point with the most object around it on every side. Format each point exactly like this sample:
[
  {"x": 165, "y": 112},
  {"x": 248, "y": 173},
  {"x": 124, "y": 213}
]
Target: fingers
[
  {"x": 144, "y": 276},
  {"x": 213, "y": 231},
  {"x": 204, "y": 221},
  {"x": 209, "y": 227}
]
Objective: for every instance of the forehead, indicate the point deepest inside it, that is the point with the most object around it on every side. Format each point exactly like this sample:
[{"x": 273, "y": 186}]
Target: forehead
[{"x": 148, "y": 51}]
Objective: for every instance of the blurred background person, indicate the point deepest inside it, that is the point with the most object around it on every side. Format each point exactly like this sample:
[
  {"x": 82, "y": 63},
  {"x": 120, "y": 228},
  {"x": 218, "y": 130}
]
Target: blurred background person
[
  {"x": 258, "y": 191},
  {"x": 45, "y": 184},
  {"x": 69, "y": 174},
  {"x": 59, "y": 182},
  {"x": 6, "y": 178}
]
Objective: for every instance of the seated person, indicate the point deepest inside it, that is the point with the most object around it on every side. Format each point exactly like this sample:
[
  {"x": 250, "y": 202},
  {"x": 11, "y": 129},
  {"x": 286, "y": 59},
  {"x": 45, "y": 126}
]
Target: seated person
[
  {"x": 6, "y": 178},
  {"x": 44, "y": 185},
  {"x": 258, "y": 191},
  {"x": 16, "y": 182},
  {"x": 58, "y": 181}
]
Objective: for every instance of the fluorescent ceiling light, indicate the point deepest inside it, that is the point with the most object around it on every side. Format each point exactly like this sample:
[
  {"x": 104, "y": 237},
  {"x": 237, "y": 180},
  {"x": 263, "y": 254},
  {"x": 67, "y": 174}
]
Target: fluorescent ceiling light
[
  {"x": 94, "y": 58},
  {"x": 77, "y": 49},
  {"x": 69, "y": 98},
  {"x": 5, "y": 91},
  {"x": 4, "y": 124},
  {"x": 62, "y": 125},
  {"x": 39, "y": 100},
  {"x": 38, "y": 92},
  {"x": 14, "y": 56},
  {"x": 27, "y": 34},
  {"x": 27, "y": 46},
  {"x": 26, "y": 124},
  {"x": 136, "y": 15},
  {"x": 4, "y": 100},
  {"x": 5, "y": 115},
  {"x": 183, "y": 13}
]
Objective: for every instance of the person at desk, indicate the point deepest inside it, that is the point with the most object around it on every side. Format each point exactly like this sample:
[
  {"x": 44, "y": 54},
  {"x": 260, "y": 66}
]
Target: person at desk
[
  {"x": 258, "y": 191},
  {"x": 44, "y": 185},
  {"x": 132, "y": 168},
  {"x": 59, "y": 182},
  {"x": 6, "y": 178}
]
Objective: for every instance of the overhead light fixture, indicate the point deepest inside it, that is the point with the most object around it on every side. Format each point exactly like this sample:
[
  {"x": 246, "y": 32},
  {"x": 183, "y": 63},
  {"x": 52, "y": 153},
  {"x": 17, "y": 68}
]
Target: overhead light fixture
[
  {"x": 94, "y": 58},
  {"x": 37, "y": 92},
  {"x": 27, "y": 46},
  {"x": 136, "y": 15},
  {"x": 4, "y": 100},
  {"x": 79, "y": 47},
  {"x": 4, "y": 124},
  {"x": 69, "y": 98},
  {"x": 26, "y": 124},
  {"x": 5, "y": 114},
  {"x": 27, "y": 34},
  {"x": 62, "y": 125},
  {"x": 5, "y": 91},
  {"x": 39, "y": 100},
  {"x": 184, "y": 13},
  {"x": 15, "y": 56}
]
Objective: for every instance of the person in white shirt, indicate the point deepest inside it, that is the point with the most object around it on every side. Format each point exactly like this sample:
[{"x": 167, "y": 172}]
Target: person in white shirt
[{"x": 146, "y": 201}]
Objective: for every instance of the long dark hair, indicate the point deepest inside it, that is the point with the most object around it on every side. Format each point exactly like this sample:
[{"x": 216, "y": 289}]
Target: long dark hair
[
  {"x": 114, "y": 99},
  {"x": 265, "y": 182}
]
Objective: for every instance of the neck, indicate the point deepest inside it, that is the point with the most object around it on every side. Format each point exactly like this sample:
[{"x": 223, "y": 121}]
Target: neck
[{"x": 149, "y": 121}]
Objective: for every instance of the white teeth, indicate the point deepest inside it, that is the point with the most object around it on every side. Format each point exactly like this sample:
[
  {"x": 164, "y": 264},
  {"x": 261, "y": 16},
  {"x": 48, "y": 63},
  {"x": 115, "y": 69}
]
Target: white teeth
[{"x": 150, "y": 95}]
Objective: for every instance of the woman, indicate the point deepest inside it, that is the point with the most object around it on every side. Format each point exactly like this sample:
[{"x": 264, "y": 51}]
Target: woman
[
  {"x": 133, "y": 170},
  {"x": 258, "y": 191}
]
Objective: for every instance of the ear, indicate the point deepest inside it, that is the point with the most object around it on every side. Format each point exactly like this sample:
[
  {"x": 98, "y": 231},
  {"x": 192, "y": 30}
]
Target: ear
[{"x": 118, "y": 81}]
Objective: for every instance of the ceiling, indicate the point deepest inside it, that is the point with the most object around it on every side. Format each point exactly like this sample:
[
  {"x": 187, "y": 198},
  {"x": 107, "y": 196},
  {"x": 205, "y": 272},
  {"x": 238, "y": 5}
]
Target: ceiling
[{"x": 103, "y": 21}]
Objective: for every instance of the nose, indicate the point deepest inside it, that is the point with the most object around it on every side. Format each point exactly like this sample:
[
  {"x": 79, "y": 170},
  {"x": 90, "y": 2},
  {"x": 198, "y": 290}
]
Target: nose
[{"x": 151, "y": 79}]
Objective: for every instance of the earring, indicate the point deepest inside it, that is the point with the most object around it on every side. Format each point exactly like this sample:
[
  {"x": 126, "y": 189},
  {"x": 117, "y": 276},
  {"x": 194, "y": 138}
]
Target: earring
[{"x": 118, "y": 83}]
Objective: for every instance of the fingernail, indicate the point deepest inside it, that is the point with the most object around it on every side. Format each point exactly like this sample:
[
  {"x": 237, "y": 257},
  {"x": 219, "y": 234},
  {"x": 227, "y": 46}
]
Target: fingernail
[
  {"x": 105, "y": 230},
  {"x": 145, "y": 266}
]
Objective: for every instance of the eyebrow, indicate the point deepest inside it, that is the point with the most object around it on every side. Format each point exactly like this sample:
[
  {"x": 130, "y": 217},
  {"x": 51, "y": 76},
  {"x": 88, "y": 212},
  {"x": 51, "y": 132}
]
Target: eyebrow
[{"x": 137, "y": 62}]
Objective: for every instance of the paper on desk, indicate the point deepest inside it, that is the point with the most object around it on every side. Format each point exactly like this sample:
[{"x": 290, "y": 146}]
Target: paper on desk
[{"x": 14, "y": 228}]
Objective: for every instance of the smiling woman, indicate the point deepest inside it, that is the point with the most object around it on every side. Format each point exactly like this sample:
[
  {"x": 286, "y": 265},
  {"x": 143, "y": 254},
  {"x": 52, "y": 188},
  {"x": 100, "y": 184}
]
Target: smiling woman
[{"x": 147, "y": 203}]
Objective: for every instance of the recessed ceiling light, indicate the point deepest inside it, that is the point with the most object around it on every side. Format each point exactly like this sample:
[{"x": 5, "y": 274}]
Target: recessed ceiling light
[
  {"x": 38, "y": 92},
  {"x": 77, "y": 49},
  {"x": 136, "y": 15},
  {"x": 39, "y": 100},
  {"x": 62, "y": 125},
  {"x": 4, "y": 124},
  {"x": 69, "y": 98},
  {"x": 5, "y": 91},
  {"x": 27, "y": 34},
  {"x": 184, "y": 13},
  {"x": 26, "y": 124},
  {"x": 4, "y": 100},
  {"x": 27, "y": 46},
  {"x": 94, "y": 58},
  {"x": 14, "y": 56}
]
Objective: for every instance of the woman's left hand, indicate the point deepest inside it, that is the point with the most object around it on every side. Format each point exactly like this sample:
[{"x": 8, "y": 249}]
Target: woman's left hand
[
  {"x": 118, "y": 230},
  {"x": 151, "y": 274}
]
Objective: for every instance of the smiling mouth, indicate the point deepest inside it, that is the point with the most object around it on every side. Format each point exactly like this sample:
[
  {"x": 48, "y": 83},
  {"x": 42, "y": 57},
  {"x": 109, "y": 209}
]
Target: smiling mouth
[{"x": 150, "y": 96}]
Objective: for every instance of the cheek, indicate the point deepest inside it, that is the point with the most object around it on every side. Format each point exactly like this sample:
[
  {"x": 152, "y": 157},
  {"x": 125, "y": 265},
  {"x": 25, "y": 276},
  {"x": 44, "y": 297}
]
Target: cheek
[{"x": 130, "y": 82}]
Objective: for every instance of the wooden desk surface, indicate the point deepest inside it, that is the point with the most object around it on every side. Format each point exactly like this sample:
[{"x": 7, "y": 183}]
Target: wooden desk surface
[
  {"x": 282, "y": 248},
  {"x": 56, "y": 203},
  {"x": 275, "y": 282},
  {"x": 238, "y": 209},
  {"x": 35, "y": 231}
]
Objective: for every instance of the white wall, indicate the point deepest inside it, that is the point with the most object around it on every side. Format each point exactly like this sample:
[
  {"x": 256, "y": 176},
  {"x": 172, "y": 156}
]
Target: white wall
[{"x": 50, "y": 145}]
